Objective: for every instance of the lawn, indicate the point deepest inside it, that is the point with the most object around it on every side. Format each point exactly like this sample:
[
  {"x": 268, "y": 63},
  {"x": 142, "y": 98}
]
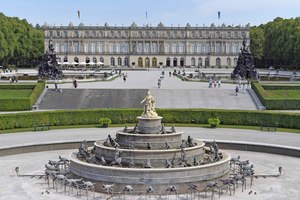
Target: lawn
[
  {"x": 283, "y": 94},
  {"x": 15, "y": 94}
]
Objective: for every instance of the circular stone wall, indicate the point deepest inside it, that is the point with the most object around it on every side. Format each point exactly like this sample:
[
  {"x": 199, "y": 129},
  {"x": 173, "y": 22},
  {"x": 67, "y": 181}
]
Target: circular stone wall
[
  {"x": 157, "y": 157},
  {"x": 159, "y": 179},
  {"x": 140, "y": 141}
]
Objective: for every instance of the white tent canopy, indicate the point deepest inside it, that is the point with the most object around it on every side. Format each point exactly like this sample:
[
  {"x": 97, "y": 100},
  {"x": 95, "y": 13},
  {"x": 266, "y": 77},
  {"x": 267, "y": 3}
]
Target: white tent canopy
[
  {"x": 82, "y": 63},
  {"x": 65, "y": 63},
  {"x": 100, "y": 63},
  {"x": 74, "y": 63}
]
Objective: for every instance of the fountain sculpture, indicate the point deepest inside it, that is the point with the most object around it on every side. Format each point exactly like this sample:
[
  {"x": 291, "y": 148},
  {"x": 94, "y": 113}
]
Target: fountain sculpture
[
  {"x": 149, "y": 158},
  {"x": 245, "y": 68},
  {"x": 49, "y": 68}
]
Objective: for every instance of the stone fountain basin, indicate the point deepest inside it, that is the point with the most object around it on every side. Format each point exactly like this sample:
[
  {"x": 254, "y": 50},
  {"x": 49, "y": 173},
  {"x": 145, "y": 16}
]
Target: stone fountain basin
[
  {"x": 157, "y": 157},
  {"x": 157, "y": 141},
  {"x": 142, "y": 178}
]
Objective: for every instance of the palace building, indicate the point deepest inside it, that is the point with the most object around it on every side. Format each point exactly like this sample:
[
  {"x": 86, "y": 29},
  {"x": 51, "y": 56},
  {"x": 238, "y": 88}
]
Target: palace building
[{"x": 148, "y": 46}]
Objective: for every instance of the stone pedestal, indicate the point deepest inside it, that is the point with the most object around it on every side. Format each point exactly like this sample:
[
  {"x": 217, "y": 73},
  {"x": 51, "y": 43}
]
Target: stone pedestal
[{"x": 149, "y": 125}]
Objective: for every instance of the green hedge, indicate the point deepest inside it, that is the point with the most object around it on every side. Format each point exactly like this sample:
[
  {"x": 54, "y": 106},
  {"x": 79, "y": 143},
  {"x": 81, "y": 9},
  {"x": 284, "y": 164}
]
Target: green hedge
[
  {"x": 272, "y": 103},
  {"x": 281, "y": 87},
  {"x": 123, "y": 116},
  {"x": 17, "y": 86},
  {"x": 23, "y": 103}
]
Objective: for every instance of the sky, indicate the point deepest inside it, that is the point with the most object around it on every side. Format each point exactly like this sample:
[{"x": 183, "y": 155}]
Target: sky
[{"x": 151, "y": 12}]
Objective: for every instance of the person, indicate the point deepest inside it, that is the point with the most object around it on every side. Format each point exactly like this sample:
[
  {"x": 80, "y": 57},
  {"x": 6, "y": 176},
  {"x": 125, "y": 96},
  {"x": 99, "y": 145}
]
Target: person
[
  {"x": 55, "y": 85},
  {"x": 219, "y": 83},
  {"x": 75, "y": 83},
  {"x": 236, "y": 90},
  {"x": 124, "y": 78},
  {"x": 60, "y": 88},
  {"x": 159, "y": 83}
]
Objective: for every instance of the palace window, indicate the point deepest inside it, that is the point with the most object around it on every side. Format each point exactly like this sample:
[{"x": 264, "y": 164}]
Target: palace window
[
  {"x": 207, "y": 34},
  {"x": 76, "y": 34},
  {"x": 154, "y": 47},
  {"x": 228, "y": 62},
  {"x": 140, "y": 34},
  {"x": 207, "y": 47},
  {"x": 86, "y": 47},
  {"x": 140, "y": 47},
  {"x": 154, "y": 34},
  {"x": 200, "y": 34},
  {"x": 58, "y": 33},
  {"x": 87, "y": 34},
  {"x": 56, "y": 48},
  {"x": 228, "y": 34},
  {"x": 235, "y": 61},
  {"x": 199, "y": 62},
  {"x": 228, "y": 48},
  {"x": 192, "y": 48},
  {"x": 218, "y": 47},
  {"x": 119, "y": 61},
  {"x": 126, "y": 48},
  {"x": 154, "y": 62},
  {"x": 93, "y": 47},
  {"x": 167, "y": 50},
  {"x": 218, "y": 34},
  {"x": 118, "y": 47},
  {"x": 65, "y": 34},
  {"x": 206, "y": 62},
  {"x": 87, "y": 60},
  {"x": 168, "y": 62},
  {"x": 100, "y": 47},
  {"x": 126, "y": 61},
  {"x": 65, "y": 47},
  {"x": 147, "y": 47},
  {"x": 112, "y": 48},
  {"x": 236, "y": 48},
  {"x": 119, "y": 34},
  {"x": 236, "y": 34},
  {"x": 199, "y": 48},
  {"x": 174, "y": 48},
  {"x": 94, "y": 34},
  {"x": 94, "y": 60},
  {"x": 193, "y": 62},
  {"x": 218, "y": 62},
  {"x": 101, "y": 59},
  {"x": 65, "y": 59},
  {"x": 112, "y": 61},
  {"x": 193, "y": 34},
  {"x": 168, "y": 34},
  {"x": 76, "y": 47},
  {"x": 112, "y": 34},
  {"x": 181, "y": 48}
]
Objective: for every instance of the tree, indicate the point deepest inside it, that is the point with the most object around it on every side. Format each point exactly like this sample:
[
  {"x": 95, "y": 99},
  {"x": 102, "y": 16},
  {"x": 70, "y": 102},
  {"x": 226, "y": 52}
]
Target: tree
[{"x": 257, "y": 42}]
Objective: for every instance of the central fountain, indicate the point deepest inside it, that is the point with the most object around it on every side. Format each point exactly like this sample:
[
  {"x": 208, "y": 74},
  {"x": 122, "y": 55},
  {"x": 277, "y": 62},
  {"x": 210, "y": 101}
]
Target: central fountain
[{"x": 150, "y": 156}]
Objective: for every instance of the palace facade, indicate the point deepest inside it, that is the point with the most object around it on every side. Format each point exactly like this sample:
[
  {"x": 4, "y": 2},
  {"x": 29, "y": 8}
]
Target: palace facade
[{"x": 148, "y": 46}]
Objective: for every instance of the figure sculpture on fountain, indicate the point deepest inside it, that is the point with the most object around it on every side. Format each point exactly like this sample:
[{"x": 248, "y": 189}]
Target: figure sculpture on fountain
[{"x": 149, "y": 108}]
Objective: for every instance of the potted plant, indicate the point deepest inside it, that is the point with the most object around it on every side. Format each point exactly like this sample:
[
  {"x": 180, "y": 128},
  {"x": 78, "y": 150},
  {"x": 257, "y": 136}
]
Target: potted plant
[
  {"x": 104, "y": 122},
  {"x": 214, "y": 122},
  {"x": 161, "y": 64},
  {"x": 133, "y": 64}
]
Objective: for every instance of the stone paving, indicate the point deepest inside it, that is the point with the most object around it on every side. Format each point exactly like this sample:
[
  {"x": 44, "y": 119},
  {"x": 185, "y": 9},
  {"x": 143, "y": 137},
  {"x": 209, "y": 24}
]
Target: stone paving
[{"x": 173, "y": 93}]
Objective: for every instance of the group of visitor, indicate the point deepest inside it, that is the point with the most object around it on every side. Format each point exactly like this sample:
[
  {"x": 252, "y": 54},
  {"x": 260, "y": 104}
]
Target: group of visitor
[{"x": 214, "y": 83}]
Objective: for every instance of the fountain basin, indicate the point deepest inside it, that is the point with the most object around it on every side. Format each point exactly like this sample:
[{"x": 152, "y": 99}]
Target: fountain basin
[{"x": 158, "y": 178}]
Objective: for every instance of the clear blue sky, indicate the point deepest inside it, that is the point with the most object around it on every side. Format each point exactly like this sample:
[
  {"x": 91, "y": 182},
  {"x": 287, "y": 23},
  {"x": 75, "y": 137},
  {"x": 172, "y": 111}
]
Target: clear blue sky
[{"x": 169, "y": 12}]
